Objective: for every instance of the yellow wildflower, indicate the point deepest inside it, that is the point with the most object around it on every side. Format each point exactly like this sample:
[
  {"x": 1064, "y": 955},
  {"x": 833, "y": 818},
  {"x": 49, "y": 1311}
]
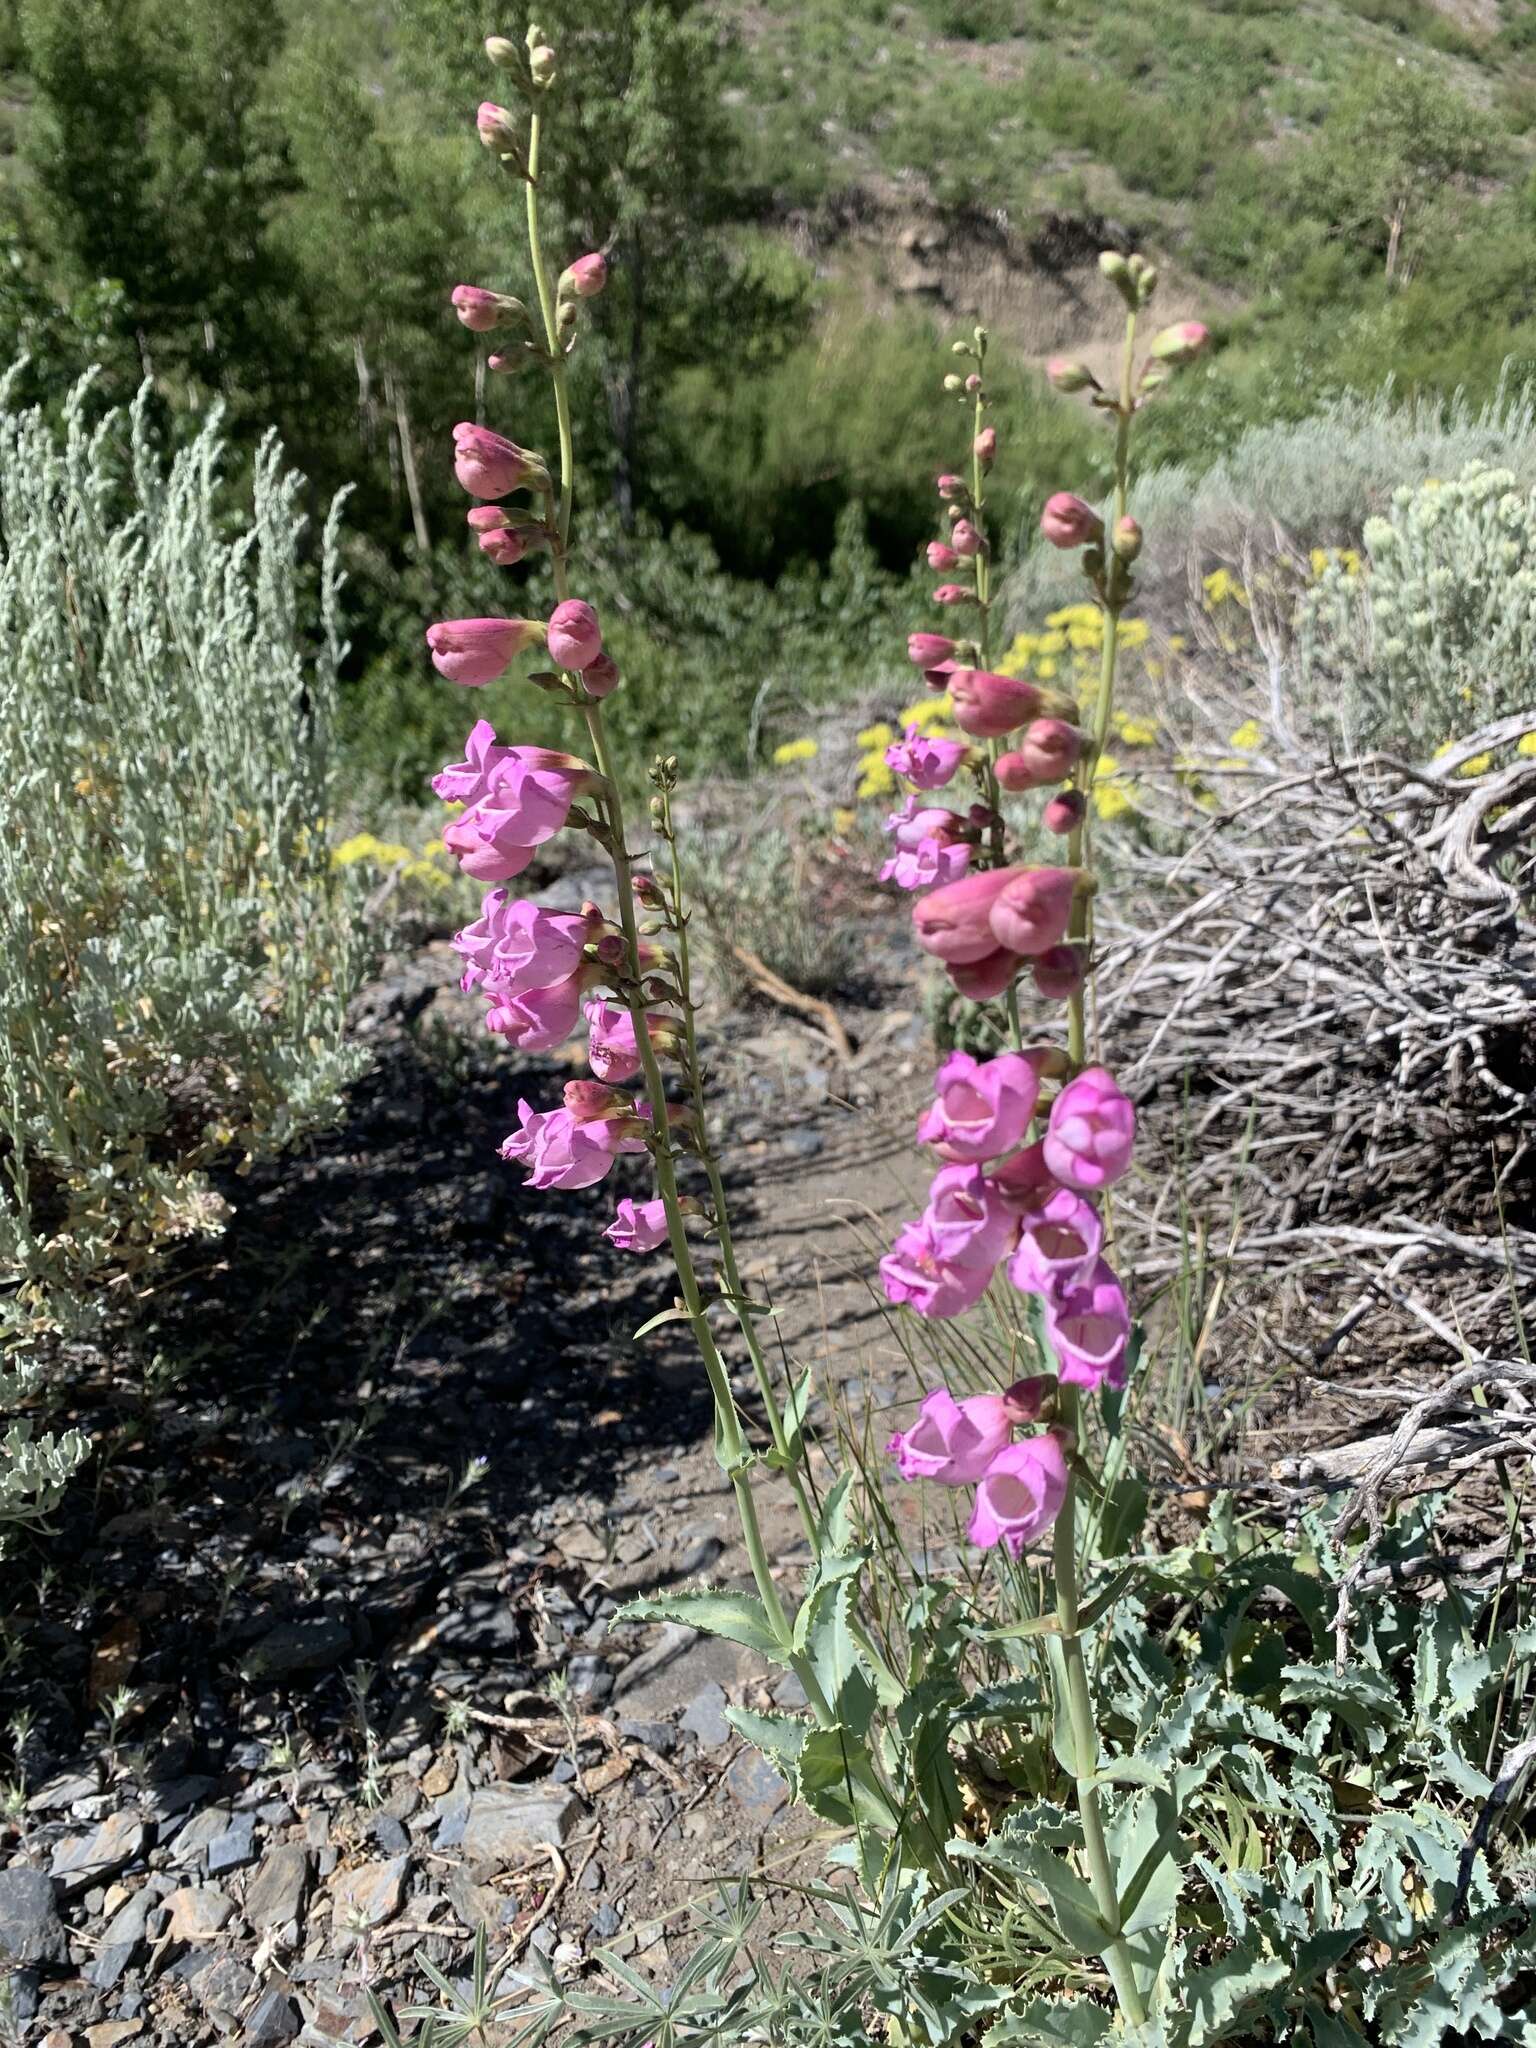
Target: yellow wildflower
[
  {"x": 795, "y": 750},
  {"x": 1113, "y": 796},
  {"x": 1132, "y": 632},
  {"x": 1527, "y": 744},
  {"x": 1248, "y": 737},
  {"x": 844, "y": 820},
  {"x": 875, "y": 777},
  {"x": 1478, "y": 765},
  {"x": 1222, "y": 587},
  {"x": 1135, "y": 732},
  {"x": 1045, "y": 668},
  {"x": 1052, "y": 643},
  {"x": 1076, "y": 615},
  {"x": 1176, "y": 643},
  {"x": 879, "y": 735},
  {"x": 925, "y": 712}
]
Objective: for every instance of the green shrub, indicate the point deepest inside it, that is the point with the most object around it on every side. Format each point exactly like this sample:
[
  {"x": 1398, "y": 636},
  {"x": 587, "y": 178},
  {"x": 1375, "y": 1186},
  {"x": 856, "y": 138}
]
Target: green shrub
[{"x": 176, "y": 950}]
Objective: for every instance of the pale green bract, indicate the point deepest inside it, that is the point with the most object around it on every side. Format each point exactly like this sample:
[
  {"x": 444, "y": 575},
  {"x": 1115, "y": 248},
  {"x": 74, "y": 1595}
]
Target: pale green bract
[{"x": 176, "y": 948}]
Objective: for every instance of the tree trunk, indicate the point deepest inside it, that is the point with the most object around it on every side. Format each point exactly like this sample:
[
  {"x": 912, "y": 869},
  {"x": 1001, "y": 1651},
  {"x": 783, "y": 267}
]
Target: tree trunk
[
  {"x": 396, "y": 390},
  {"x": 1394, "y": 240}
]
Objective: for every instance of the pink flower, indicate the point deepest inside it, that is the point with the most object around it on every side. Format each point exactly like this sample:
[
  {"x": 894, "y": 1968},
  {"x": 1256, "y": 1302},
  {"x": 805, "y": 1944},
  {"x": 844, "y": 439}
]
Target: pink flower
[
  {"x": 1067, "y": 522},
  {"x": 941, "y": 557},
  {"x": 927, "y": 865},
  {"x": 516, "y": 946},
  {"x": 537, "y": 1019},
  {"x": 952, "y": 924},
  {"x": 575, "y": 638},
  {"x": 1025, "y": 1180},
  {"x": 600, "y": 678},
  {"x": 915, "y": 822},
  {"x": 1020, "y": 1494},
  {"x": 1091, "y": 1132},
  {"x": 925, "y": 762},
  {"x": 485, "y": 845},
  {"x": 639, "y": 1226},
  {"x": 1058, "y": 971},
  {"x": 495, "y": 126},
  {"x": 953, "y": 1441},
  {"x": 563, "y": 1152},
  {"x": 988, "y": 705},
  {"x": 950, "y": 486},
  {"x": 488, "y": 465},
  {"x": 967, "y": 1218},
  {"x": 916, "y": 1272},
  {"x": 467, "y": 781},
  {"x": 980, "y": 1108},
  {"x": 953, "y": 593},
  {"x": 476, "y": 651},
  {"x": 1059, "y": 1242},
  {"x": 1065, "y": 373},
  {"x": 478, "y": 309},
  {"x": 964, "y": 540},
  {"x": 587, "y": 276},
  {"x": 1064, "y": 813},
  {"x": 1047, "y": 752},
  {"x": 613, "y": 1052},
  {"x": 985, "y": 446},
  {"x": 505, "y": 546},
  {"x": 925, "y": 649},
  {"x": 1180, "y": 343},
  {"x": 1089, "y": 1326},
  {"x": 534, "y": 788},
  {"x": 979, "y": 981},
  {"x": 1034, "y": 908}
]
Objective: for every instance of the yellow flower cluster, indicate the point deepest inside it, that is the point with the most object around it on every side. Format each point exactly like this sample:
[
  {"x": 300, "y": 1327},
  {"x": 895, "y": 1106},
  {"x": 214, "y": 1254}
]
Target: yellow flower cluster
[
  {"x": 1222, "y": 587},
  {"x": 793, "y": 751},
  {"x": 364, "y": 847},
  {"x": 1348, "y": 559},
  {"x": 1075, "y": 634}
]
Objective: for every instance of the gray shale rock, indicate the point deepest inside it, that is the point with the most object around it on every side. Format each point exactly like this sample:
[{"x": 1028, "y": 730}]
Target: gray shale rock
[
  {"x": 274, "y": 2019},
  {"x": 508, "y": 1822},
  {"x": 298, "y": 1648},
  {"x": 275, "y": 1894},
  {"x": 30, "y": 1928},
  {"x": 705, "y": 1717}
]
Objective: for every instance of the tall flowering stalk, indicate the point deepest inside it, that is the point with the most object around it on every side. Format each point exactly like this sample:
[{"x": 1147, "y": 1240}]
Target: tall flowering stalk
[
  {"x": 627, "y": 973},
  {"x": 1034, "y": 1137}
]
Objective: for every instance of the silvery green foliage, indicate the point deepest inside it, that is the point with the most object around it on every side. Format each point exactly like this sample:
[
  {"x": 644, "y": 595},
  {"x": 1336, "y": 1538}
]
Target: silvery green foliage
[
  {"x": 176, "y": 950},
  {"x": 1307, "y": 1852},
  {"x": 1439, "y": 636}
]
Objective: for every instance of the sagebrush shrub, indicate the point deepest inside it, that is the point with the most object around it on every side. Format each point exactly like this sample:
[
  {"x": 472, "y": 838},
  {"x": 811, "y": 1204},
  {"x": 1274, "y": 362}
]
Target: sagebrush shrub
[{"x": 176, "y": 947}]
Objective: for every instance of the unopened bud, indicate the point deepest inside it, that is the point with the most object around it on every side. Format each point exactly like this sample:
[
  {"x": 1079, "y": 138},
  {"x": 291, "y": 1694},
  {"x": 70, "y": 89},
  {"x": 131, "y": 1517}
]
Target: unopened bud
[
  {"x": 1146, "y": 285},
  {"x": 658, "y": 810},
  {"x": 1136, "y": 265},
  {"x": 541, "y": 64},
  {"x": 1180, "y": 343},
  {"x": 960, "y": 348},
  {"x": 502, "y": 53},
  {"x": 952, "y": 382},
  {"x": 1114, "y": 267},
  {"x": 497, "y": 131},
  {"x": 973, "y": 382},
  {"x": 1066, "y": 373},
  {"x": 1127, "y": 538}
]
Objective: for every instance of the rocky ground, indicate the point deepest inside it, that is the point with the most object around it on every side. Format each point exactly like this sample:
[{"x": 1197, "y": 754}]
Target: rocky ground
[{"x": 292, "y": 1705}]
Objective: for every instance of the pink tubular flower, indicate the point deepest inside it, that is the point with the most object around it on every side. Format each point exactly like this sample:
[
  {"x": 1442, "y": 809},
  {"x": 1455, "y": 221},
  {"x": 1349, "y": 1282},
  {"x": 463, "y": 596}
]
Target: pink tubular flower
[
  {"x": 979, "y": 981},
  {"x": 587, "y": 276},
  {"x": 1020, "y": 1494},
  {"x": 941, "y": 556},
  {"x": 925, "y": 649},
  {"x": 1025, "y": 1180},
  {"x": 985, "y": 447},
  {"x": 1034, "y": 909},
  {"x": 612, "y": 1050},
  {"x": 988, "y": 705},
  {"x": 600, "y": 678},
  {"x": 950, "y": 486},
  {"x": 575, "y": 638},
  {"x": 1059, "y": 1243},
  {"x": 1089, "y": 1326},
  {"x": 476, "y": 651},
  {"x": 916, "y": 1272},
  {"x": 926, "y": 763},
  {"x": 478, "y": 309},
  {"x": 467, "y": 781},
  {"x": 561, "y": 1151},
  {"x": 495, "y": 127},
  {"x": 505, "y": 546},
  {"x": 980, "y": 1108},
  {"x": 488, "y": 465},
  {"x": 953, "y": 593},
  {"x": 1091, "y": 1132},
  {"x": 538, "y": 1019},
  {"x": 1064, "y": 813},
  {"x": 953, "y": 1442},
  {"x": 1047, "y": 752},
  {"x": 1058, "y": 971},
  {"x": 534, "y": 789},
  {"x": 964, "y": 540},
  {"x": 1180, "y": 343},
  {"x": 952, "y": 924},
  {"x": 486, "y": 846},
  {"x": 967, "y": 1218},
  {"x": 1067, "y": 522},
  {"x": 638, "y": 1226},
  {"x": 516, "y": 946},
  {"x": 928, "y": 864}
]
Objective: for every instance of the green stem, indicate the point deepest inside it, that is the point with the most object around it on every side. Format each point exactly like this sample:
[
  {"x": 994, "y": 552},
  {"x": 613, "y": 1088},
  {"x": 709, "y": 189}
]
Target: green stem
[
  {"x": 1085, "y": 1740},
  {"x": 557, "y": 360},
  {"x": 1081, "y": 932}
]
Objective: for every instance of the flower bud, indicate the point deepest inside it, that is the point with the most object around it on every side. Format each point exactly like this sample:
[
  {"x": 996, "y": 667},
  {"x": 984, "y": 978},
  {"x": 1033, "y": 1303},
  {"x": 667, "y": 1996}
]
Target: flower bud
[
  {"x": 1047, "y": 752},
  {"x": 600, "y": 678},
  {"x": 541, "y": 64},
  {"x": 575, "y": 637},
  {"x": 497, "y": 130},
  {"x": 1066, "y": 373},
  {"x": 1146, "y": 285},
  {"x": 503, "y": 54},
  {"x": 941, "y": 557},
  {"x": 953, "y": 383},
  {"x": 949, "y": 486},
  {"x": 1113, "y": 266},
  {"x": 985, "y": 447},
  {"x": 1058, "y": 972},
  {"x": 586, "y": 277},
  {"x": 953, "y": 593},
  {"x": 973, "y": 382},
  {"x": 1064, "y": 813},
  {"x": 1181, "y": 343},
  {"x": 1067, "y": 522},
  {"x": 926, "y": 650},
  {"x": 480, "y": 310},
  {"x": 965, "y": 539},
  {"x": 1127, "y": 538}
]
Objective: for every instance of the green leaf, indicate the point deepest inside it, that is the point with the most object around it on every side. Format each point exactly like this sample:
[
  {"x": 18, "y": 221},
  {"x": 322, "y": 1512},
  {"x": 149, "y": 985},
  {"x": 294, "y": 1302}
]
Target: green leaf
[
  {"x": 1069, "y": 1899},
  {"x": 675, "y": 1314},
  {"x": 834, "y": 1777},
  {"x": 1052, "y": 2023},
  {"x": 738, "y": 1617},
  {"x": 1143, "y": 1846},
  {"x": 1233, "y": 1993},
  {"x": 793, "y": 1423},
  {"x": 780, "y": 1737},
  {"x": 1362, "y": 1699}
]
